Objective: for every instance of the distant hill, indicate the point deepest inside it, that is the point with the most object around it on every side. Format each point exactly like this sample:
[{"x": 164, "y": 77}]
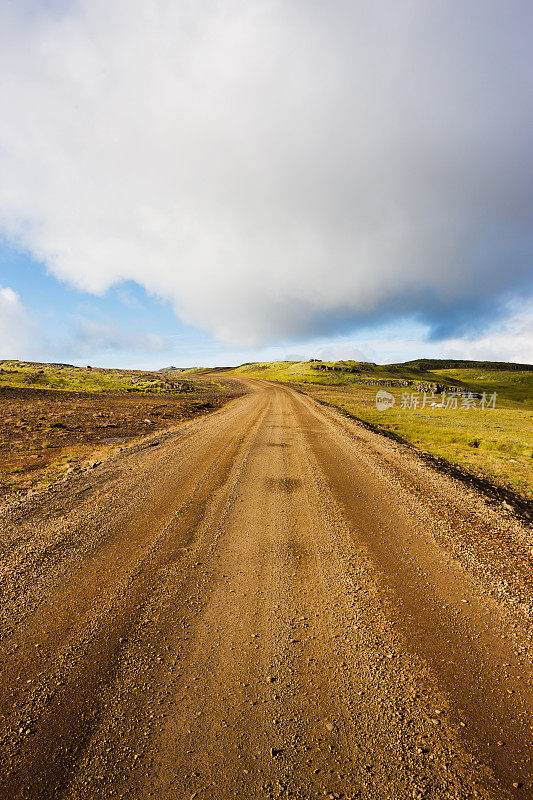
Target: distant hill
[
  {"x": 15, "y": 362},
  {"x": 451, "y": 363}
]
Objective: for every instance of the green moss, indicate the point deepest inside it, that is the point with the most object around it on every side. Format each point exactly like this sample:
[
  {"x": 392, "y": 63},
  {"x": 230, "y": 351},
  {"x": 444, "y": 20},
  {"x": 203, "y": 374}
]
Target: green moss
[
  {"x": 494, "y": 442},
  {"x": 78, "y": 379}
]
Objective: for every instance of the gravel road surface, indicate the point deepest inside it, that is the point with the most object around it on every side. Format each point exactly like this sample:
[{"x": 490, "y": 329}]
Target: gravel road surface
[{"x": 266, "y": 602}]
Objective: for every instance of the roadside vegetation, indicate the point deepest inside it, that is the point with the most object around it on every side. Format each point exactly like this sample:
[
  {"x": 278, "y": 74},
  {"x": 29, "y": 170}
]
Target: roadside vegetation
[
  {"x": 93, "y": 379},
  {"x": 494, "y": 443},
  {"x": 57, "y": 419}
]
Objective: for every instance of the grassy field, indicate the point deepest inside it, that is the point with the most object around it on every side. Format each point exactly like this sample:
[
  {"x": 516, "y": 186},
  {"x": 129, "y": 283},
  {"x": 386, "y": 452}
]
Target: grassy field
[
  {"x": 303, "y": 372},
  {"x": 495, "y": 443},
  {"x": 94, "y": 379},
  {"x": 55, "y": 418}
]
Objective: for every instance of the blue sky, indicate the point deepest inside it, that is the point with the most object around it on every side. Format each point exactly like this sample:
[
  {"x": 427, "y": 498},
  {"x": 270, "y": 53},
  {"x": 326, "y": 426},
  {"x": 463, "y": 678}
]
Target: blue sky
[
  {"x": 58, "y": 312},
  {"x": 73, "y": 326},
  {"x": 216, "y": 183}
]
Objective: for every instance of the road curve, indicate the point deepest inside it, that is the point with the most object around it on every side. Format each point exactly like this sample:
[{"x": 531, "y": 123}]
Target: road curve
[{"x": 266, "y": 602}]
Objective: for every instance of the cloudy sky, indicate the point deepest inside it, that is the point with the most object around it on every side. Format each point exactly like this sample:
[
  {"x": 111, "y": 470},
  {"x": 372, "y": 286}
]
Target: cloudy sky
[{"x": 203, "y": 182}]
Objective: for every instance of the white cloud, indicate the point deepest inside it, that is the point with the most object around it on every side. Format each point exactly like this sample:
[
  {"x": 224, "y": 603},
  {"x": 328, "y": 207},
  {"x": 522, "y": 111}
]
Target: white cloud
[
  {"x": 342, "y": 351},
  {"x": 16, "y": 328},
  {"x": 276, "y": 169},
  {"x": 510, "y": 340},
  {"x": 91, "y": 336}
]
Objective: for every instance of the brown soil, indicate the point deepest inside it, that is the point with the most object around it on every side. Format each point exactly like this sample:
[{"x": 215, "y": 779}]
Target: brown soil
[
  {"x": 271, "y": 602},
  {"x": 44, "y": 432}
]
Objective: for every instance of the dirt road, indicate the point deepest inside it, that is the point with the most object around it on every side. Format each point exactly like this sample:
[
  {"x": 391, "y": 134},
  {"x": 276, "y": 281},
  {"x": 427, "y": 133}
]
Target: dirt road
[{"x": 266, "y": 602}]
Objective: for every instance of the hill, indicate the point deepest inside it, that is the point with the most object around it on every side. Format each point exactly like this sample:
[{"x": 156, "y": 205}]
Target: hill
[
  {"x": 451, "y": 363},
  {"x": 495, "y": 444}
]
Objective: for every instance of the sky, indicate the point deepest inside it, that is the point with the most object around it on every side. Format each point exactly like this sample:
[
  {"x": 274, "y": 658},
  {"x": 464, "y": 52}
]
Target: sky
[{"x": 211, "y": 182}]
